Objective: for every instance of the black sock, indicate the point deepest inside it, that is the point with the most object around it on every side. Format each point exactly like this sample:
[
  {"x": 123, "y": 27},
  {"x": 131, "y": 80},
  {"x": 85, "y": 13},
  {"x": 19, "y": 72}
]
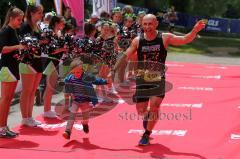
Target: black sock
[
  {"x": 146, "y": 116},
  {"x": 68, "y": 132},
  {"x": 147, "y": 132}
]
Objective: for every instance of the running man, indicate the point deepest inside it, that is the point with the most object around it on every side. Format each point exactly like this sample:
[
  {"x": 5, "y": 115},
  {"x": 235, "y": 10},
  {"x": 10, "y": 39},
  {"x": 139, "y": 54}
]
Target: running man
[{"x": 151, "y": 49}]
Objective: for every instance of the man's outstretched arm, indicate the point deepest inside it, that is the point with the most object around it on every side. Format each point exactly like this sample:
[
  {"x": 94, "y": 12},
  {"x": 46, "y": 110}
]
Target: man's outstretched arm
[
  {"x": 129, "y": 52},
  {"x": 171, "y": 39}
]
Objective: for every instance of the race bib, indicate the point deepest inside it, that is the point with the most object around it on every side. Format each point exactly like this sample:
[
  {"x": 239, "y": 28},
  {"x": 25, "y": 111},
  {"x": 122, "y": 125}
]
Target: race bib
[
  {"x": 152, "y": 76},
  {"x": 149, "y": 76}
]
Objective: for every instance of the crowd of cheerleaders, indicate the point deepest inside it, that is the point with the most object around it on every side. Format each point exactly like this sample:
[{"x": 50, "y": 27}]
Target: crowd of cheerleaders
[{"x": 104, "y": 42}]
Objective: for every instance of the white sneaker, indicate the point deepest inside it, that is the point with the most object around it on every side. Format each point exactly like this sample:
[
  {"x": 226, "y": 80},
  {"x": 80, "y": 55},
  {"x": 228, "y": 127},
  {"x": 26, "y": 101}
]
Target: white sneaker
[
  {"x": 50, "y": 114},
  {"x": 35, "y": 121},
  {"x": 28, "y": 122}
]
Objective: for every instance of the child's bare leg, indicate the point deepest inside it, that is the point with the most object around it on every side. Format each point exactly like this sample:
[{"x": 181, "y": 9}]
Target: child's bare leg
[
  {"x": 103, "y": 73},
  {"x": 67, "y": 102},
  {"x": 70, "y": 122},
  {"x": 85, "y": 108}
]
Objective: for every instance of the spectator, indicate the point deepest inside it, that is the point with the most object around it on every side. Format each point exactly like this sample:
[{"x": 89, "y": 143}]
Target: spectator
[
  {"x": 105, "y": 16},
  {"x": 117, "y": 15},
  {"x": 94, "y": 18},
  {"x": 46, "y": 20},
  {"x": 127, "y": 9},
  {"x": 170, "y": 17},
  {"x": 68, "y": 17}
]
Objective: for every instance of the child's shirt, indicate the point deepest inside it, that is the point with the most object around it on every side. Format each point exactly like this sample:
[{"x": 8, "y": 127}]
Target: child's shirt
[{"x": 82, "y": 88}]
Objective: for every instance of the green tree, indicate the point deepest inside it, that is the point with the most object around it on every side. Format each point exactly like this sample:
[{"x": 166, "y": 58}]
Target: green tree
[
  {"x": 207, "y": 8},
  {"x": 195, "y": 7},
  {"x": 48, "y": 5},
  {"x": 180, "y": 6},
  {"x": 153, "y": 4},
  {"x": 232, "y": 9}
]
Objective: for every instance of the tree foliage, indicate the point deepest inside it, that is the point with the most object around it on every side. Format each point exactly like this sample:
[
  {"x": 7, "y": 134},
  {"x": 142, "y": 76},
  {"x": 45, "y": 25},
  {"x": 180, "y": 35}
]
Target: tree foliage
[{"x": 219, "y": 8}]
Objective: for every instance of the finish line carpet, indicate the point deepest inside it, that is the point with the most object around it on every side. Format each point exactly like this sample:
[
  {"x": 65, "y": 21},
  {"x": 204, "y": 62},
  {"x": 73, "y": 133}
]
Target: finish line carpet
[{"x": 200, "y": 119}]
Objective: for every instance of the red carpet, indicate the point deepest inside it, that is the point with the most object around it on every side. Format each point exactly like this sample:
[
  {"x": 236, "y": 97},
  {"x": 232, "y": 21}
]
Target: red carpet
[{"x": 201, "y": 121}]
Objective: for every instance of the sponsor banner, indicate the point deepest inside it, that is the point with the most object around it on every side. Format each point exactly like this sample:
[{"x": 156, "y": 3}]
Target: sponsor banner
[
  {"x": 235, "y": 26},
  {"x": 217, "y": 24},
  {"x": 58, "y": 6},
  {"x": 214, "y": 24},
  {"x": 182, "y": 19},
  {"x": 103, "y": 5}
]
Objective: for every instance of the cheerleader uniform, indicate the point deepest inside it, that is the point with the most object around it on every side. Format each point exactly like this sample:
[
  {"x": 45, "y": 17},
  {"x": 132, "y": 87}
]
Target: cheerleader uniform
[
  {"x": 9, "y": 71},
  {"x": 90, "y": 52},
  {"x": 36, "y": 65},
  {"x": 53, "y": 59},
  {"x": 107, "y": 53}
]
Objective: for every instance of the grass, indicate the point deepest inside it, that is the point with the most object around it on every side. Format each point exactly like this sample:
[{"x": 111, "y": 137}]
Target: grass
[{"x": 202, "y": 44}]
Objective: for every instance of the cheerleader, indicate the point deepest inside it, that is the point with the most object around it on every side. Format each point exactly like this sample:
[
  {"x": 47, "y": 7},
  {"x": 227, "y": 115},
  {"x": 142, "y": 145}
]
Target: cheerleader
[
  {"x": 44, "y": 28},
  {"x": 107, "y": 45},
  {"x": 87, "y": 47},
  {"x": 127, "y": 9},
  {"x": 117, "y": 16},
  {"x": 30, "y": 73},
  {"x": 138, "y": 25},
  {"x": 9, "y": 72},
  {"x": 129, "y": 21},
  {"x": 57, "y": 24},
  {"x": 114, "y": 29},
  {"x": 127, "y": 34},
  {"x": 67, "y": 59}
]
